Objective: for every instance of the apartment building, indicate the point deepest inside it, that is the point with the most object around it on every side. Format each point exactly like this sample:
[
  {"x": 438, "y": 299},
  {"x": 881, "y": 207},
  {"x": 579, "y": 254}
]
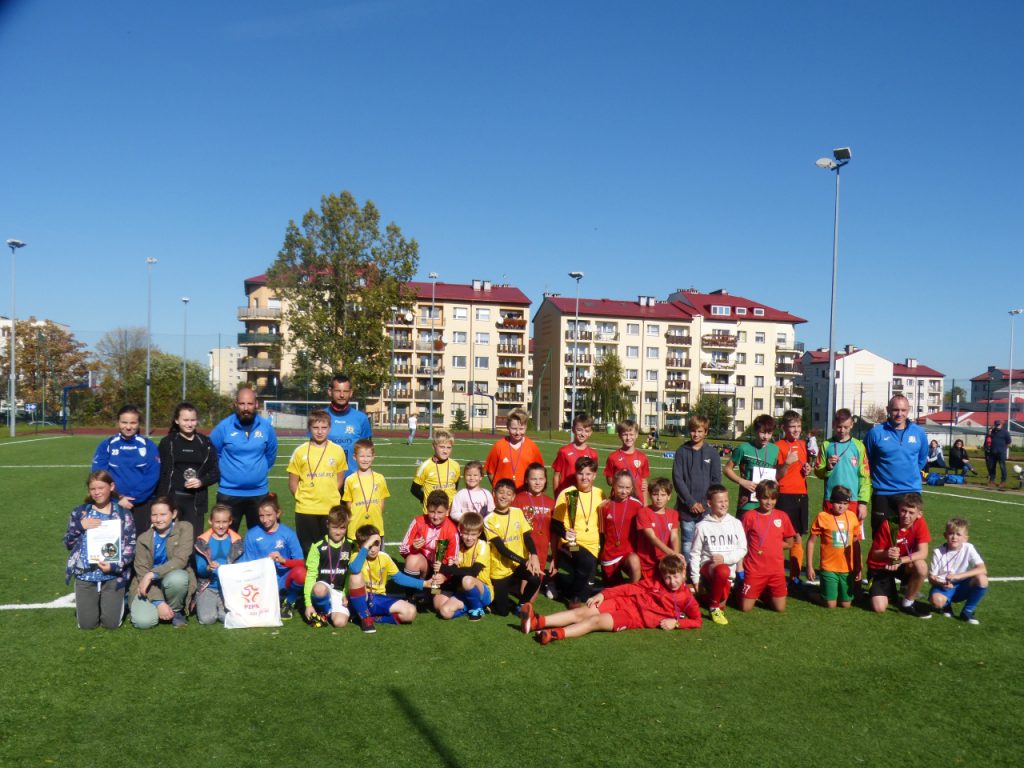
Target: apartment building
[
  {"x": 866, "y": 381},
  {"x": 672, "y": 352},
  {"x": 225, "y": 376},
  {"x": 264, "y": 362}
]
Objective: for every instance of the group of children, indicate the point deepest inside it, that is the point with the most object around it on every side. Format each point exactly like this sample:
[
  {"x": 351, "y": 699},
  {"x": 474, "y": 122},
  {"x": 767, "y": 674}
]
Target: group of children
[{"x": 472, "y": 550}]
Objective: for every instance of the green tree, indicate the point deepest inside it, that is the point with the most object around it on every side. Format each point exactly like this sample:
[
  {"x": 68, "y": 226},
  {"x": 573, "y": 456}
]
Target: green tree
[
  {"x": 609, "y": 397},
  {"x": 956, "y": 393},
  {"x": 459, "y": 423},
  {"x": 48, "y": 358},
  {"x": 341, "y": 278},
  {"x": 715, "y": 409}
]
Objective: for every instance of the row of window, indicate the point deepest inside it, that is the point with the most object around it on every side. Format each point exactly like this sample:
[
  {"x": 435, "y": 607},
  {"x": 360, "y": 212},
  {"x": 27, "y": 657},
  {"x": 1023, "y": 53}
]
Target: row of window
[
  {"x": 723, "y": 311},
  {"x": 460, "y": 313},
  {"x": 654, "y": 329}
]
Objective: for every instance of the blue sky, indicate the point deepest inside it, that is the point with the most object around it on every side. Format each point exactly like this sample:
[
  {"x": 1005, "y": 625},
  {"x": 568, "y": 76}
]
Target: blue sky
[{"x": 651, "y": 145}]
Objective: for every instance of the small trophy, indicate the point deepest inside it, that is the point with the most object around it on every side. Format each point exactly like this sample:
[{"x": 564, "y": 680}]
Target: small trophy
[
  {"x": 190, "y": 474},
  {"x": 572, "y": 500},
  {"x": 894, "y": 532},
  {"x": 439, "y": 553}
]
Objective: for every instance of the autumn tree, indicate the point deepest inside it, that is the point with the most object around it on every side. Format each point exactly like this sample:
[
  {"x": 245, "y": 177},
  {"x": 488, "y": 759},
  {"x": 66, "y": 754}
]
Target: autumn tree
[
  {"x": 341, "y": 277},
  {"x": 48, "y": 357}
]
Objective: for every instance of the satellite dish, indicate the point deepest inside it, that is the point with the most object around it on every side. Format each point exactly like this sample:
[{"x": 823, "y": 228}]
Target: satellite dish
[{"x": 408, "y": 316}]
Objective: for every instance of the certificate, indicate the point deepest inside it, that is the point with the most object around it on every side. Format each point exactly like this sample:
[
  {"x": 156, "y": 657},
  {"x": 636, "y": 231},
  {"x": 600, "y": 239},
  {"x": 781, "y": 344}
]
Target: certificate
[
  {"x": 763, "y": 473},
  {"x": 103, "y": 544}
]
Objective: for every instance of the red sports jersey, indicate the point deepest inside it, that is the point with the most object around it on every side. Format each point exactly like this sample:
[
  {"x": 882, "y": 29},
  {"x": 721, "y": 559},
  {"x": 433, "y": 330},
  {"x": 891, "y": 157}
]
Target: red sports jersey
[
  {"x": 618, "y": 523},
  {"x": 635, "y": 463},
  {"x": 537, "y": 510},
  {"x": 655, "y": 602},
  {"x": 907, "y": 541},
  {"x": 504, "y": 461},
  {"x": 765, "y": 533},
  {"x": 420, "y": 526},
  {"x": 565, "y": 464},
  {"x": 662, "y": 525}
]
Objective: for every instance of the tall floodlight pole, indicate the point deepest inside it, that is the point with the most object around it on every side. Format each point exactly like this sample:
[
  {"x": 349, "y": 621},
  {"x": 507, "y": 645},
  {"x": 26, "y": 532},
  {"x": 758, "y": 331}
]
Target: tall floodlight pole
[
  {"x": 1009, "y": 404},
  {"x": 433, "y": 346},
  {"x": 577, "y": 276},
  {"x": 150, "y": 261},
  {"x": 184, "y": 347},
  {"x": 840, "y": 157},
  {"x": 12, "y": 386}
]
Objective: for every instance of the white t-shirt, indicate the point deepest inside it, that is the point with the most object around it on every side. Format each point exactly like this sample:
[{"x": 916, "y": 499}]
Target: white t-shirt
[{"x": 946, "y": 561}]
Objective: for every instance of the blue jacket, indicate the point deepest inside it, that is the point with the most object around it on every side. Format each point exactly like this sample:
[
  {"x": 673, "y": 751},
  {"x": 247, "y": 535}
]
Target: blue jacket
[
  {"x": 134, "y": 465},
  {"x": 896, "y": 458},
  {"x": 259, "y": 544},
  {"x": 346, "y": 428},
  {"x": 246, "y": 455}
]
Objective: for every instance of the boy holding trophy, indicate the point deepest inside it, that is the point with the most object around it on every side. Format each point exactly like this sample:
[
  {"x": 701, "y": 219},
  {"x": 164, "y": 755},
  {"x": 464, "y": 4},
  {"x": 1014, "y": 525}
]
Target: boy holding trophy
[
  {"x": 577, "y": 520},
  {"x": 514, "y": 563}
]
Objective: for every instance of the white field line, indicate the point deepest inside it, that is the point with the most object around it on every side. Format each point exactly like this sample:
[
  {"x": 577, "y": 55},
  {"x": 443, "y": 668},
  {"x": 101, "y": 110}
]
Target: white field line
[{"x": 33, "y": 440}]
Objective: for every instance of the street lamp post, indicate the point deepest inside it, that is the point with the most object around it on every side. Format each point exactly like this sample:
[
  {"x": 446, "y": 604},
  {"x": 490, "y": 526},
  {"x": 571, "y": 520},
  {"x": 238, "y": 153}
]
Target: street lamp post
[
  {"x": 577, "y": 276},
  {"x": 150, "y": 261},
  {"x": 12, "y": 386},
  {"x": 1009, "y": 396},
  {"x": 433, "y": 346},
  {"x": 184, "y": 347},
  {"x": 840, "y": 157}
]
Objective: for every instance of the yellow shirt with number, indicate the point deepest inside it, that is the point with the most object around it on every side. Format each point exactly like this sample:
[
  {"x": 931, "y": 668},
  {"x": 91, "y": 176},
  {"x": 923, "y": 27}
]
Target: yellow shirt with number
[
  {"x": 317, "y": 468},
  {"x": 365, "y": 498},
  {"x": 588, "y": 532},
  {"x": 511, "y": 529},
  {"x": 434, "y": 476},
  {"x": 481, "y": 553}
]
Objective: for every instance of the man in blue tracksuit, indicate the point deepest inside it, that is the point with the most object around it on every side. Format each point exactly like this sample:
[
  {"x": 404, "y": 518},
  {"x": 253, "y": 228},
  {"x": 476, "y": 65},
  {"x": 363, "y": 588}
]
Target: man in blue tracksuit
[
  {"x": 347, "y": 424},
  {"x": 247, "y": 449},
  {"x": 897, "y": 452},
  {"x": 134, "y": 463}
]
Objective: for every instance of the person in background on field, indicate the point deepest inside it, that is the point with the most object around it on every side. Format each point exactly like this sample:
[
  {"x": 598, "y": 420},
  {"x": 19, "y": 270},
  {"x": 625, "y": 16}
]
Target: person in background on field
[
  {"x": 511, "y": 455},
  {"x": 327, "y": 569},
  {"x": 134, "y": 463},
  {"x": 247, "y": 449},
  {"x": 316, "y": 473},
  {"x": 438, "y": 473},
  {"x": 472, "y": 498},
  {"x": 100, "y": 578},
  {"x": 413, "y": 421},
  {"x": 564, "y": 465},
  {"x": 695, "y": 468},
  {"x": 997, "y": 449},
  {"x": 753, "y": 462},
  {"x": 365, "y": 491},
  {"x": 164, "y": 583},
  {"x": 900, "y": 551},
  {"x": 278, "y": 542},
  {"x": 188, "y": 466},
  {"x": 838, "y": 530},
  {"x": 769, "y": 533},
  {"x": 629, "y": 458},
  {"x": 216, "y": 546},
  {"x": 935, "y": 458},
  {"x": 959, "y": 461},
  {"x": 897, "y": 451},
  {"x": 719, "y": 545},
  {"x": 812, "y": 447},
  {"x": 957, "y": 573},
  {"x": 347, "y": 424},
  {"x": 792, "y": 472},
  {"x": 844, "y": 461}
]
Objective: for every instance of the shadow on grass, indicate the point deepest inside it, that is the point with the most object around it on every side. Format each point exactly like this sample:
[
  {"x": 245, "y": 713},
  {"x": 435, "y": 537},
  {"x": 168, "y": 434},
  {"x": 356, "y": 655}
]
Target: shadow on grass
[{"x": 419, "y": 722}]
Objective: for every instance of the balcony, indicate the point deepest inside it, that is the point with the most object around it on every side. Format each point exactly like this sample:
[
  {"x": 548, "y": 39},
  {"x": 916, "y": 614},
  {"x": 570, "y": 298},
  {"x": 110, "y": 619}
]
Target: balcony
[
  {"x": 580, "y": 359},
  {"x": 677, "y": 385},
  {"x": 424, "y": 394},
  {"x": 677, "y": 362},
  {"x": 677, "y": 406},
  {"x": 719, "y": 340},
  {"x": 509, "y": 397},
  {"x": 401, "y": 343},
  {"x": 511, "y": 349},
  {"x": 718, "y": 389},
  {"x": 504, "y": 372},
  {"x": 426, "y": 345},
  {"x": 427, "y": 323},
  {"x": 253, "y": 339},
  {"x": 717, "y": 365},
  {"x": 581, "y": 382},
  {"x": 401, "y": 319},
  {"x": 786, "y": 348},
  {"x": 259, "y": 364},
  {"x": 425, "y": 370},
  {"x": 606, "y": 336},
  {"x": 511, "y": 324},
  {"x": 583, "y": 336},
  {"x": 259, "y": 313},
  {"x": 678, "y": 339},
  {"x": 403, "y": 370},
  {"x": 400, "y": 394},
  {"x": 786, "y": 369},
  {"x": 783, "y": 391}
]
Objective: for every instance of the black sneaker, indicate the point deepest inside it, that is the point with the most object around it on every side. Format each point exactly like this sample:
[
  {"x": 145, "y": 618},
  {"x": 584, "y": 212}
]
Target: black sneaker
[
  {"x": 917, "y": 611},
  {"x": 367, "y": 626},
  {"x": 179, "y": 620},
  {"x": 287, "y": 610}
]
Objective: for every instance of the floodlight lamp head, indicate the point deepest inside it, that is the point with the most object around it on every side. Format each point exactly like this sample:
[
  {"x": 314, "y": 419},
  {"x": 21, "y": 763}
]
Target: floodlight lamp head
[
  {"x": 1017, "y": 311},
  {"x": 576, "y": 276},
  {"x": 12, "y": 244},
  {"x": 151, "y": 260},
  {"x": 432, "y": 276},
  {"x": 185, "y": 299},
  {"x": 842, "y": 153},
  {"x": 826, "y": 163}
]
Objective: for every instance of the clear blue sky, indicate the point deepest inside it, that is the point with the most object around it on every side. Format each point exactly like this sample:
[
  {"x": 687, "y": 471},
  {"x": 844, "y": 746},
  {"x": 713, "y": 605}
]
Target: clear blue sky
[{"x": 652, "y": 145}]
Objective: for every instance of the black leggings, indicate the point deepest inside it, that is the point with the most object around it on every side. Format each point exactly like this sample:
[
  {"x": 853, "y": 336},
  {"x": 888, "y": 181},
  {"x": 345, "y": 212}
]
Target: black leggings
[
  {"x": 581, "y": 571},
  {"x": 502, "y": 587}
]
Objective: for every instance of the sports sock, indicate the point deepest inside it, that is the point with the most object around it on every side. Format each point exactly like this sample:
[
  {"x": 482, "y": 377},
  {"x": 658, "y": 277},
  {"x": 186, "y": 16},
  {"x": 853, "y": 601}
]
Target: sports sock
[
  {"x": 389, "y": 619},
  {"x": 473, "y": 599},
  {"x": 974, "y": 596},
  {"x": 558, "y": 633},
  {"x": 357, "y": 598}
]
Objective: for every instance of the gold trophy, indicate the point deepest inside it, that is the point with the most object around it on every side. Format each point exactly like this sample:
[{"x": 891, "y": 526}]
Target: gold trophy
[
  {"x": 439, "y": 553},
  {"x": 572, "y": 501}
]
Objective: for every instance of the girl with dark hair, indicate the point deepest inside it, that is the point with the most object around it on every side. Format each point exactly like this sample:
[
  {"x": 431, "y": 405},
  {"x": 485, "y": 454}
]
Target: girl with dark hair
[{"x": 188, "y": 466}]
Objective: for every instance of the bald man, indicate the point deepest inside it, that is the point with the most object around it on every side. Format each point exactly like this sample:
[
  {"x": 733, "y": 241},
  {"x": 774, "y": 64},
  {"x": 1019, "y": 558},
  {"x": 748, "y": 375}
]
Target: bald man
[{"x": 897, "y": 452}]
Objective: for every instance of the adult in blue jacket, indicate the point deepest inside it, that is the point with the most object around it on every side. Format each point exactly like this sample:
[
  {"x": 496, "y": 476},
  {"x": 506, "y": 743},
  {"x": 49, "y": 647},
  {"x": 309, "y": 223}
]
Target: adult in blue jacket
[
  {"x": 247, "y": 449},
  {"x": 134, "y": 463},
  {"x": 347, "y": 424},
  {"x": 996, "y": 452},
  {"x": 897, "y": 452}
]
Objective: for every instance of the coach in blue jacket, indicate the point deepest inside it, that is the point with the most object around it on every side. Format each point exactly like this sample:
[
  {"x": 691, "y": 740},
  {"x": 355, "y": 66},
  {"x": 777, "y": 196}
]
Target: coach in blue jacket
[
  {"x": 897, "y": 452},
  {"x": 247, "y": 448}
]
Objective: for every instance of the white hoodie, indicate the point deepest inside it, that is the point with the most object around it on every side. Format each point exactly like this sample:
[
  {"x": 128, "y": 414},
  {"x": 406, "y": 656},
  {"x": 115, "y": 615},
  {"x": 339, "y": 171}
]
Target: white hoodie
[{"x": 717, "y": 536}]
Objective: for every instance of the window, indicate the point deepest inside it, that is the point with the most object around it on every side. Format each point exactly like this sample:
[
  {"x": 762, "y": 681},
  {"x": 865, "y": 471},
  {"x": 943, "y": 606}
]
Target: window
[
  {"x": 718, "y": 309},
  {"x": 652, "y": 353},
  {"x": 633, "y": 329},
  {"x": 483, "y": 338},
  {"x": 741, "y": 381},
  {"x": 758, "y": 382},
  {"x": 741, "y": 358},
  {"x": 480, "y": 411},
  {"x": 483, "y": 313},
  {"x": 741, "y": 402},
  {"x": 781, "y": 339},
  {"x": 758, "y": 403},
  {"x": 739, "y": 426},
  {"x": 271, "y": 303},
  {"x": 481, "y": 361},
  {"x": 759, "y": 338},
  {"x": 653, "y": 329},
  {"x": 460, "y": 313},
  {"x": 480, "y": 387},
  {"x": 459, "y": 337},
  {"x": 632, "y": 374},
  {"x": 652, "y": 375},
  {"x": 741, "y": 336},
  {"x": 427, "y": 314},
  {"x": 458, "y": 361},
  {"x": 651, "y": 420},
  {"x": 758, "y": 312},
  {"x": 632, "y": 352},
  {"x": 741, "y": 310},
  {"x": 758, "y": 359},
  {"x": 459, "y": 385}
]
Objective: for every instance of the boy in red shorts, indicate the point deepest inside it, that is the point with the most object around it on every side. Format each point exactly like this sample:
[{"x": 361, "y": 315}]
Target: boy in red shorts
[
  {"x": 630, "y": 459},
  {"x": 664, "y": 602},
  {"x": 769, "y": 532},
  {"x": 657, "y": 527}
]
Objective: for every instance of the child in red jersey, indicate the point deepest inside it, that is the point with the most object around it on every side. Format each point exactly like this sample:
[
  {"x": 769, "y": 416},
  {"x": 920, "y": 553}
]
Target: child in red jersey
[
  {"x": 619, "y": 529},
  {"x": 565, "y": 462},
  {"x": 769, "y": 532},
  {"x": 900, "y": 551},
  {"x": 657, "y": 527},
  {"x": 537, "y": 508},
  {"x": 664, "y": 602},
  {"x": 420, "y": 543},
  {"x": 630, "y": 459}
]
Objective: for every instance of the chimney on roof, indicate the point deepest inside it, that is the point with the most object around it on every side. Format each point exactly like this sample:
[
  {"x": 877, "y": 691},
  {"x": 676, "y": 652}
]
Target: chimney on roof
[
  {"x": 849, "y": 349},
  {"x": 476, "y": 284},
  {"x": 646, "y": 301},
  {"x": 720, "y": 292},
  {"x": 487, "y": 285},
  {"x": 911, "y": 362}
]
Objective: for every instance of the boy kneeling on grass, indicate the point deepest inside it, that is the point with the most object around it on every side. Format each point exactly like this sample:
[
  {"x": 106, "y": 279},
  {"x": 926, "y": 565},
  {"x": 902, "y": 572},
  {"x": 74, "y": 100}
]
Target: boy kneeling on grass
[
  {"x": 369, "y": 573},
  {"x": 957, "y": 573},
  {"x": 663, "y": 602},
  {"x": 900, "y": 551}
]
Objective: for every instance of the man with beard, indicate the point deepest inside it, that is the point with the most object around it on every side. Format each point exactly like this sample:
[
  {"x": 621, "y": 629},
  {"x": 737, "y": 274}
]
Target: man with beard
[
  {"x": 347, "y": 424},
  {"x": 247, "y": 448}
]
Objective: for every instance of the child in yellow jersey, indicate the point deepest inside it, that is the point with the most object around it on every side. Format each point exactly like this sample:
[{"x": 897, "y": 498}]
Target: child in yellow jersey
[
  {"x": 368, "y": 577},
  {"x": 365, "y": 491},
  {"x": 514, "y": 562},
  {"x": 467, "y": 583},
  {"x": 315, "y": 474},
  {"x": 438, "y": 473},
  {"x": 578, "y": 522}
]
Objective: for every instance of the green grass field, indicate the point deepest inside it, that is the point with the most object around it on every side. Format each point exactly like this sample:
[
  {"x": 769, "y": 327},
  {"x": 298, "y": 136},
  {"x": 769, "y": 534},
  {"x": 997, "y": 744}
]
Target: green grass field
[{"x": 843, "y": 687}]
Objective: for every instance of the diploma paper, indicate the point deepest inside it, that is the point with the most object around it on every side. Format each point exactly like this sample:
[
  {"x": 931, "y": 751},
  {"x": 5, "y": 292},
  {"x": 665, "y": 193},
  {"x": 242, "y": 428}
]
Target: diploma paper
[{"x": 103, "y": 544}]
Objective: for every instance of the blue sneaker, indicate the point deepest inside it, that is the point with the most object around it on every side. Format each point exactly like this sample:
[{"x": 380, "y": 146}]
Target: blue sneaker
[{"x": 475, "y": 614}]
